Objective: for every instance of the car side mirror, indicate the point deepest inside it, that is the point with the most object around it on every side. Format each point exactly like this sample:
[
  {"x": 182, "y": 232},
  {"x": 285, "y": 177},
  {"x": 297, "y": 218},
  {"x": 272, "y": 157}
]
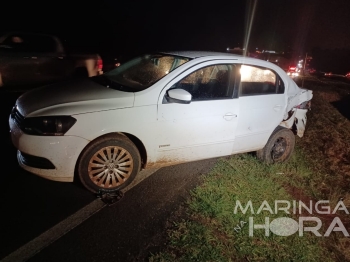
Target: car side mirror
[{"x": 180, "y": 96}]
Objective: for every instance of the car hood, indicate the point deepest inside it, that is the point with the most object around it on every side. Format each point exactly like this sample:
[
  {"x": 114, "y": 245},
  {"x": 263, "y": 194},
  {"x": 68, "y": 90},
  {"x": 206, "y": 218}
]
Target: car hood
[{"x": 72, "y": 97}]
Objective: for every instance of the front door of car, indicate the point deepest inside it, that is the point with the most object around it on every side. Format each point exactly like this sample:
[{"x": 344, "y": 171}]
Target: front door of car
[
  {"x": 262, "y": 106},
  {"x": 205, "y": 127}
]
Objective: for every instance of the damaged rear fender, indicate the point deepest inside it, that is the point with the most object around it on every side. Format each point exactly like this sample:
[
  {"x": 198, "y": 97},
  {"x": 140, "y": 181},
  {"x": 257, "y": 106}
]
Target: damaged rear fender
[{"x": 298, "y": 117}]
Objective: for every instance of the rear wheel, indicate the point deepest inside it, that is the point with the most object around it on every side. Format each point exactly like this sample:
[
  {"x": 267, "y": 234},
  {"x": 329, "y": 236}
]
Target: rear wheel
[
  {"x": 110, "y": 163},
  {"x": 279, "y": 147}
]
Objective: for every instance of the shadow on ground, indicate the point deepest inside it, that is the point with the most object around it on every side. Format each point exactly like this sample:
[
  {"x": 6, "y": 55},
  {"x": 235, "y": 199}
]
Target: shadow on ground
[
  {"x": 343, "y": 106},
  {"x": 30, "y": 205}
]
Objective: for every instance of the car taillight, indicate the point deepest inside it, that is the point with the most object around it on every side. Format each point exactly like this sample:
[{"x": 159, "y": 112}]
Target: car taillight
[
  {"x": 305, "y": 105},
  {"x": 99, "y": 64}
]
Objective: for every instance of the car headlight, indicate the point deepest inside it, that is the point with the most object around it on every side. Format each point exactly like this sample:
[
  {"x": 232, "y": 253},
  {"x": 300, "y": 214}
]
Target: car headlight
[{"x": 48, "y": 126}]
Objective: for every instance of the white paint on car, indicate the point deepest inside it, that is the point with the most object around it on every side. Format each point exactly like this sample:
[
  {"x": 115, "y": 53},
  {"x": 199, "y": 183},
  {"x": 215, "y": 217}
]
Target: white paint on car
[{"x": 201, "y": 129}]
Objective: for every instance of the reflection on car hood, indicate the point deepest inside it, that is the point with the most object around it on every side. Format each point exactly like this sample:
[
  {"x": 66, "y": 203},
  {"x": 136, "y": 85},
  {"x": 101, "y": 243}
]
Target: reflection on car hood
[{"x": 72, "y": 97}]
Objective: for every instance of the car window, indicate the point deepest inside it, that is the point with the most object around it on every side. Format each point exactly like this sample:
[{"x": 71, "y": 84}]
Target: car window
[
  {"x": 259, "y": 81},
  {"x": 211, "y": 82},
  {"x": 14, "y": 42},
  {"x": 30, "y": 43}
]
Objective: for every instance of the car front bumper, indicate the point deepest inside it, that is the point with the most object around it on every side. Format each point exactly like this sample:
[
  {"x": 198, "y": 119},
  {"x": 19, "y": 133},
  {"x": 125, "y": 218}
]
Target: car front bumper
[{"x": 35, "y": 153}]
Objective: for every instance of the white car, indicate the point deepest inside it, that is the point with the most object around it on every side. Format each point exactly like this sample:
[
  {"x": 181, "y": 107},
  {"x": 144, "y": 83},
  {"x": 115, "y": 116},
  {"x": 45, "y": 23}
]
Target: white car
[{"x": 156, "y": 110}]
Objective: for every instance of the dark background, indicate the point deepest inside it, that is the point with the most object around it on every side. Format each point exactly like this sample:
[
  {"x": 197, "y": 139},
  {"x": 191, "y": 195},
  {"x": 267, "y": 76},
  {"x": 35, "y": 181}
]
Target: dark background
[{"x": 127, "y": 28}]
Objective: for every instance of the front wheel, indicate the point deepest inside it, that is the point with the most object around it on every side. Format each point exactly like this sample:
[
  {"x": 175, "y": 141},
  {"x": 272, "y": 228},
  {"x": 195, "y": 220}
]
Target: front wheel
[
  {"x": 110, "y": 163},
  {"x": 279, "y": 147}
]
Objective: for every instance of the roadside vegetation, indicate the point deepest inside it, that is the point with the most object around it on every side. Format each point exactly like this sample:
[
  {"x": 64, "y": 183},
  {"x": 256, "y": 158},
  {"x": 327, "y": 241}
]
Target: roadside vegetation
[{"x": 208, "y": 229}]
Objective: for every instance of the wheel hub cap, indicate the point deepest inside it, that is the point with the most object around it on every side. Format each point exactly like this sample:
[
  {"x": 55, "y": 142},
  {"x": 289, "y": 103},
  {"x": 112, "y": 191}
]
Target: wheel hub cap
[{"x": 110, "y": 167}]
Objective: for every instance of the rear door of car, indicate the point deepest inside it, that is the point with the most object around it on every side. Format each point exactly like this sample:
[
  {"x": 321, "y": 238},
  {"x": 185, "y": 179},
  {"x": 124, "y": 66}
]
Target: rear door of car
[
  {"x": 262, "y": 103},
  {"x": 52, "y": 64}
]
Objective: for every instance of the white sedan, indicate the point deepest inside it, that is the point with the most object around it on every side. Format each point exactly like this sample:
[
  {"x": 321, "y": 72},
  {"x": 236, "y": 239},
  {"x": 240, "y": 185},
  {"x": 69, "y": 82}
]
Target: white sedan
[{"x": 156, "y": 110}]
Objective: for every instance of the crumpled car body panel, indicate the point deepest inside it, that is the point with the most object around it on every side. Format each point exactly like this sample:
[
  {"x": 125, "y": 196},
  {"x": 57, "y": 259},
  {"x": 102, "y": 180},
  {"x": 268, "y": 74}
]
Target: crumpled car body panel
[{"x": 295, "y": 114}]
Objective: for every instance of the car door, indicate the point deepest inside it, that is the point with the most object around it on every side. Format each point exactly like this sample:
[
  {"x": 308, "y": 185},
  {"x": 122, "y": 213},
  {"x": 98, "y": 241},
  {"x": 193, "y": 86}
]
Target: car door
[
  {"x": 262, "y": 105},
  {"x": 205, "y": 127},
  {"x": 18, "y": 67},
  {"x": 52, "y": 64}
]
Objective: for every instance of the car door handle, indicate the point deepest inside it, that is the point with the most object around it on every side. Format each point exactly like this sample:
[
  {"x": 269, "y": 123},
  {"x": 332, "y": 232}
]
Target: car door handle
[
  {"x": 277, "y": 107},
  {"x": 229, "y": 116}
]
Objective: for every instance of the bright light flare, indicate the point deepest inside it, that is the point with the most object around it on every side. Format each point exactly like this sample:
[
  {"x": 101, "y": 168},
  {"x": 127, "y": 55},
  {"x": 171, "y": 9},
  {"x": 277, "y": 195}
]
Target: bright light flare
[
  {"x": 246, "y": 72},
  {"x": 249, "y": 19}
]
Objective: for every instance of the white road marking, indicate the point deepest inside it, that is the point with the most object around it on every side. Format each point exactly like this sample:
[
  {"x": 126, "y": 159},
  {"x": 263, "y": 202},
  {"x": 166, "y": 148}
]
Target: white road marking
[{"x": 45, "y": 239}]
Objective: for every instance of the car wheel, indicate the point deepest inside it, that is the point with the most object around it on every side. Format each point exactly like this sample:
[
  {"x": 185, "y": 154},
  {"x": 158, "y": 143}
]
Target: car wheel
[
  {"x": 110, "y": 163},
  {"x": 279, "y": 147}
]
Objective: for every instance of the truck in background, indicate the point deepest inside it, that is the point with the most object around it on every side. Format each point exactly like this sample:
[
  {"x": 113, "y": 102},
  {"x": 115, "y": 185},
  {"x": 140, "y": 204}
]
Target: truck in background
[{"x": 31, "y": 60}]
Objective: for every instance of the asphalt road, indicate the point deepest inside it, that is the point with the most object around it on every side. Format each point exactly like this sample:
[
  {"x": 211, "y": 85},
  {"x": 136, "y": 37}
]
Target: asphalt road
[{"x": 36, "y": 212}]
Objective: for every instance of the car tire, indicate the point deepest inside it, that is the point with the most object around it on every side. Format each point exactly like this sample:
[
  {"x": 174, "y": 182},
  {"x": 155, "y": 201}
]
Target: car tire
[
  {"x": 110, "y": 163},
  {"x": 279, "y": 147}
]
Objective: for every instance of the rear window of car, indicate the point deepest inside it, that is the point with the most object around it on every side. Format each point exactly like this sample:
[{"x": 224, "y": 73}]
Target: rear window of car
[
  {"x": 259, "y": 81},
  {"x": 30, "y": 43}
]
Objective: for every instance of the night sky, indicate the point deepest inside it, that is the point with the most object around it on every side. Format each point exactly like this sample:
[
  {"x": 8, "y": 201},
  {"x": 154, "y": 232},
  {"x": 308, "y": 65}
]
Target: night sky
[{"x": 137, "y": 26}]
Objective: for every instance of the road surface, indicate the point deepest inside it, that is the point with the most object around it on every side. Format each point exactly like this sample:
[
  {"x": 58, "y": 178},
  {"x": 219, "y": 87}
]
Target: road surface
[{"x": 44, "y": 220}]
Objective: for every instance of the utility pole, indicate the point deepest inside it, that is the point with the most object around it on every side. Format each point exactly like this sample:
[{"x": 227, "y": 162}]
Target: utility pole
[{"x": 302, "y": 83}]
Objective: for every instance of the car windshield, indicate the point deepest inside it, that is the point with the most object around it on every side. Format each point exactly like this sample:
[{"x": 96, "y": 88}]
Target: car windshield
[{"x": 140, "y": 73}]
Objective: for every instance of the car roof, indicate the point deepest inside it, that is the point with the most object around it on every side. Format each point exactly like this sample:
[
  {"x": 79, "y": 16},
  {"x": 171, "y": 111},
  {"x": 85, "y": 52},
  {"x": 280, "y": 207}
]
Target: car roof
[{"x": 197, "y": 54}]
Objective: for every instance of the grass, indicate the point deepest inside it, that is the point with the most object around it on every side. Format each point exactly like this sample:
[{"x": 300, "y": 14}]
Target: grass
[
  {"x": 327, "y": 142},
  {"x": 318, "y": 170}
]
